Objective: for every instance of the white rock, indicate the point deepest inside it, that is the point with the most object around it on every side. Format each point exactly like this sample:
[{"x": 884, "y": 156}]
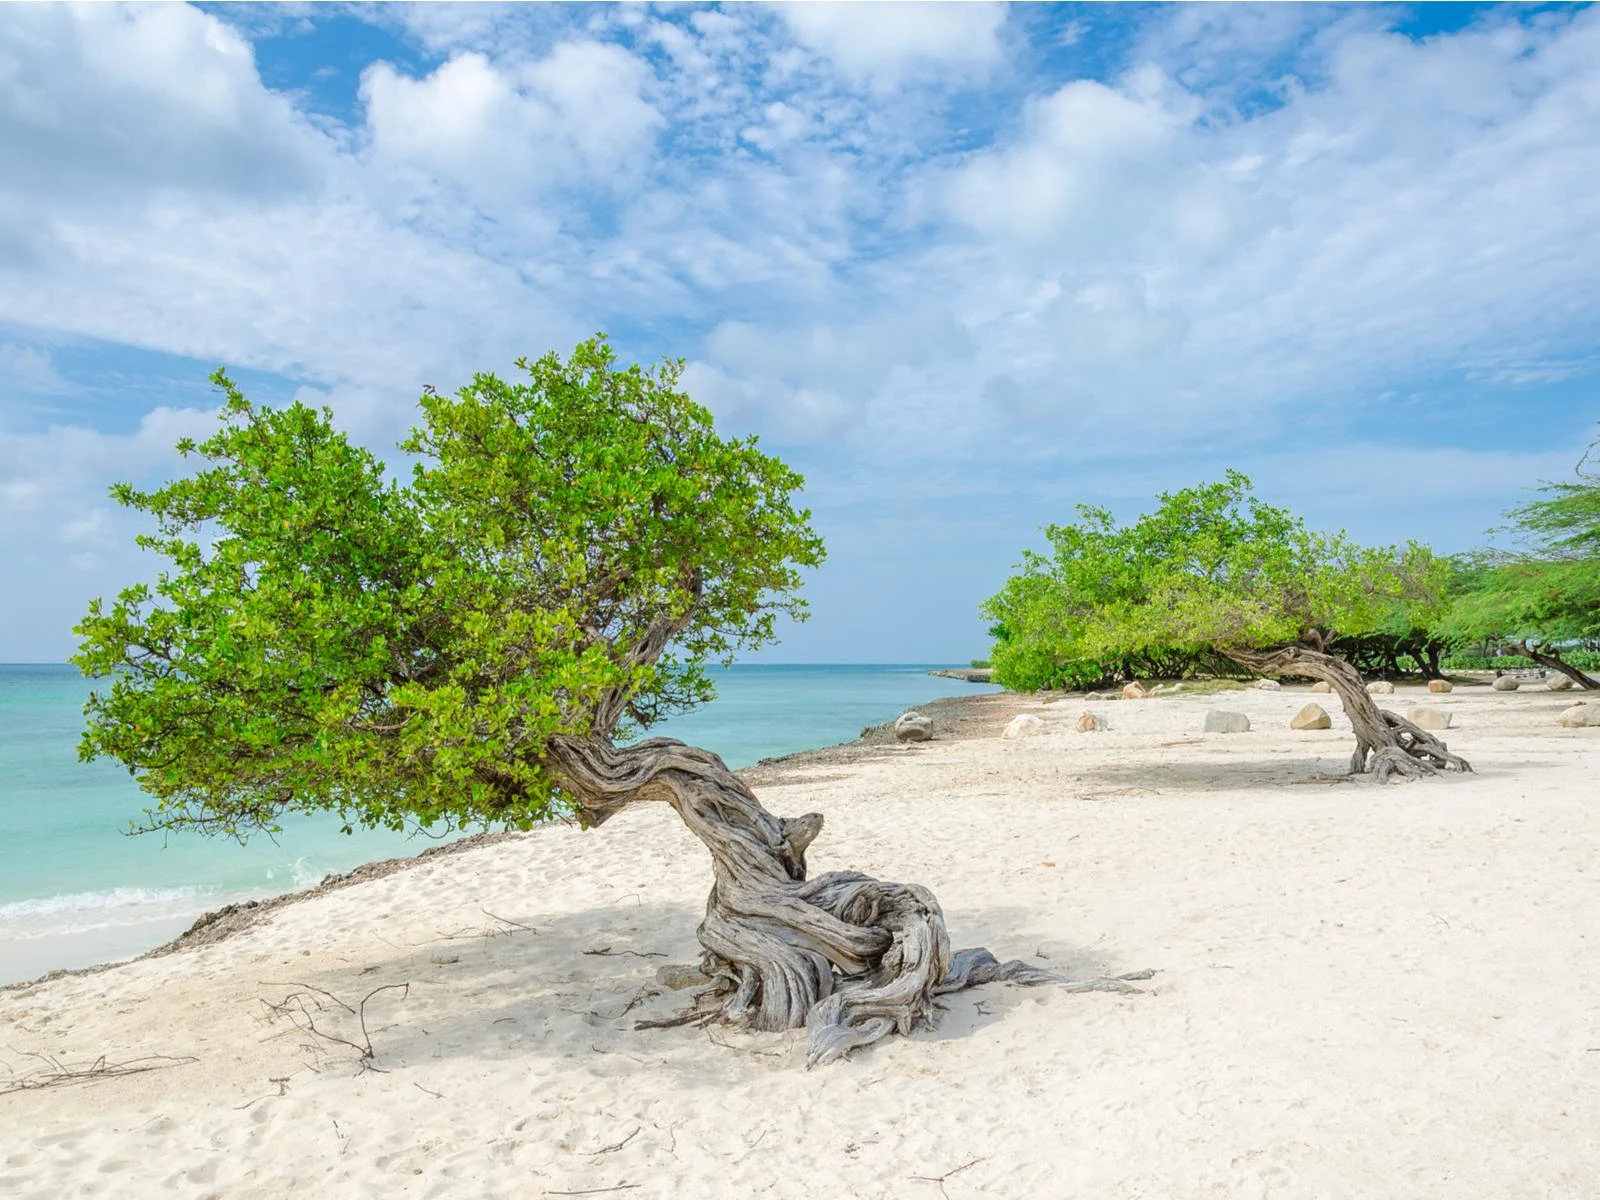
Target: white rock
[
  {"x": 1312, "y": 716},
  {"x": 1027, "y": 725},
  {"x": 1428, "y": 718},
  {"x": 1267, "y": 685},
  {"x": 1091, "y": 723},
  {"x": 1559, "y": 683},
  {"x": 1504, "y": 683},
  {"x": 1322, "y": 687},
  {"x": 914, "y": 727},
  {"x": 1218, "y": 721},
  {"x": 1440, "y": 685},
  {"x": 1381, "y": 687},
  {"x": 1133, "y": 691},
  {"x": 1581, "y": 716}
]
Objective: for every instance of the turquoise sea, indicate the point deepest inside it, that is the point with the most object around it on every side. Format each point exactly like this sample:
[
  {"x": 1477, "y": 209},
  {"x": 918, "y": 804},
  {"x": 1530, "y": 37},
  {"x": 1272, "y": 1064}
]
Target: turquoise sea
[{"x": 75, "y": 889}]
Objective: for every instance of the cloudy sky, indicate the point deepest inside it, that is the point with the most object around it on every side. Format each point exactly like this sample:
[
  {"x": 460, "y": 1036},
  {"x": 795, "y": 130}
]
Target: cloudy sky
[{"x": 964, "y": 265}]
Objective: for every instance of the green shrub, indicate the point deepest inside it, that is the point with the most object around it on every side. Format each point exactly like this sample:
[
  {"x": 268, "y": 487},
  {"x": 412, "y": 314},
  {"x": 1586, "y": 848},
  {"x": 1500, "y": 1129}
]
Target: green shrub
[{"x": 1584, "y": 660}]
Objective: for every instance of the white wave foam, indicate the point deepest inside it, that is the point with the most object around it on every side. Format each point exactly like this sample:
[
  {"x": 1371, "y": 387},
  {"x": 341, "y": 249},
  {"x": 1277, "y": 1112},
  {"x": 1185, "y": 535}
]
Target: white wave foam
[{"x": 78, "y": 912}]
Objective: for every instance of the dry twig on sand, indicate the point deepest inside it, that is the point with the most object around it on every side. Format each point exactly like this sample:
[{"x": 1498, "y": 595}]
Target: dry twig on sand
[
  {"x": 54, "y": 1073},
  {"x": 939, "y": 1179},
  {"x": 301, "y": 1007}
]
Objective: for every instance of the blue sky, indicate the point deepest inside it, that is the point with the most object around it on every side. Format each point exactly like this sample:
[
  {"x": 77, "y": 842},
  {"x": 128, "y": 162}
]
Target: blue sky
[{"x": 964, "y": 265}]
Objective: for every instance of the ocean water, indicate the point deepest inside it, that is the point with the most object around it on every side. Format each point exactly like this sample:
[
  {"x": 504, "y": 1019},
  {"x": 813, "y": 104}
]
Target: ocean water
[{"x": 76, "y": 889}]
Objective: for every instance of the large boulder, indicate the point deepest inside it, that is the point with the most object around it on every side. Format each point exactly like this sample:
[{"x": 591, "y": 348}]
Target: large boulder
[
  {"x": 1090, "y": 723},
  {"x": 1428, "y": 718},
  {"x": 1580, "y": 716},
  {"x": 1133, "y": 691},
  {"x": 1440, "y": 685},
  {"x": 1027, "y": 725},
  {"x": 1267, "y": 685},
  {"x": 1504, "y": 683},
  {"x": 1381, "y": 687},
  {"x": 1312, "y": 716},
  {"x": 1226, "y": 722},
  {"x": 1559, "y": 683},
  {"x": 914, "y": 727},
  {"x": 1322, "y": 687}
]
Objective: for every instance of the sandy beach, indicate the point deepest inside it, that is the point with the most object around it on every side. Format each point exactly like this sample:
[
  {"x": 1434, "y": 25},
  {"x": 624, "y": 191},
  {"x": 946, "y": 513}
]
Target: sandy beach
[{"x": 1360, "y": 991}]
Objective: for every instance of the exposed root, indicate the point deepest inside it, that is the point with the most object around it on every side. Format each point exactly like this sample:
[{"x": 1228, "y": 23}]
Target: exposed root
[
  {"x": 849, "y": 957},
  {"x": 1414, "y": 753}
]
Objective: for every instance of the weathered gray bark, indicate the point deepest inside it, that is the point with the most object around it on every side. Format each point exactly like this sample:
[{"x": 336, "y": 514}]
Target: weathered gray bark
[
  {"x": 850, "y": 958},
  {"x": 1386, "y": 743},
  {"x": 1556, "y": 663}
]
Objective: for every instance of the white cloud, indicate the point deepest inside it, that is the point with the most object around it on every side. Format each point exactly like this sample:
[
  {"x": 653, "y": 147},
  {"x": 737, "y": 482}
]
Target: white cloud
[
  {"x": 1427, "y": 210},
  {"x": 1261, "y": 229},
  {"x": 511, "y": 132},
  {"x": 61, "y": 543},
  {"x": 26, "y": 370},
  {"x": 882, "y": 44},
  {"x": 97, "y": 101}
]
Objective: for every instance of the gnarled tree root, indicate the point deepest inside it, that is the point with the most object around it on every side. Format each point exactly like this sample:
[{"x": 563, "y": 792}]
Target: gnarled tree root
[
  {"x": 848, "y": 957},
  {"x": 849, "y": 1018},
  {"x": 1415, "y": 752}
]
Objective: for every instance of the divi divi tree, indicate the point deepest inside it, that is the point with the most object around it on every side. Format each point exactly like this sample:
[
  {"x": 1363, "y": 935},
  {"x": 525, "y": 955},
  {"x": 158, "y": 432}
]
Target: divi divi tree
[
  {"x": 480, "y": 645},
  {"x": 1215, "y": 571}
]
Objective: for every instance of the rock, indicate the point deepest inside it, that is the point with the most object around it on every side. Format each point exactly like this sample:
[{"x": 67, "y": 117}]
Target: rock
[
  {"x": 1321, "y": 687},
  {"x": 1312, "y": 716},
  {"x": 1026, "y": 725},
  {"x": 1580, "y": 716},
  {"x": 914, "y": 727},
  {"x": 1428, "y": 718},
  {"x": 1226, "y": 722},
  {"x": 1559, "y": 683},
  {"x": 1440, "y": 685},
  {"x": 1381, "y": 687},
  {"x": 1132, "y": 691},
  {"x": 1267, "y": 685},
  {"x": 1102, "y": 695},
  {"x": 678, "y": 976},
  {"x": 1504, "y": 683},
  {"x": 1089, "y": 723}
]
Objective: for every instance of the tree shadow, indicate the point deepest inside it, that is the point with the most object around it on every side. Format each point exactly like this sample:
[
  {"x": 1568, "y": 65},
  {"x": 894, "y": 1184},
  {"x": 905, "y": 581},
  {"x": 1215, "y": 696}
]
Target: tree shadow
[
  {"x": 1214, "y": 773},
  {"x": 565, "y": 991},
  {"x": 1291, "y": 770}
]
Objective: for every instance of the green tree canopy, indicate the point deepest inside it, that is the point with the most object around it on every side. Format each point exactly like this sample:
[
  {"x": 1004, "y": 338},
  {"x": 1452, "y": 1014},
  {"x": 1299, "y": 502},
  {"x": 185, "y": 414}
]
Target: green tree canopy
[
  {"x": 568, "y": 551},
  {"x": 1211, "y": 570},
  {"x": 1543, "y": 597},
  {"x": 1215, "y": 571}
]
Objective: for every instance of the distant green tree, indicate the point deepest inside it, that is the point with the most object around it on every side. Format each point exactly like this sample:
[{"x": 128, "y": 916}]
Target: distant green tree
[
  {"x": 478, "y": 645},
  {"x": 1214, "y": 571},
  {"x": 1542, "y": 600}
]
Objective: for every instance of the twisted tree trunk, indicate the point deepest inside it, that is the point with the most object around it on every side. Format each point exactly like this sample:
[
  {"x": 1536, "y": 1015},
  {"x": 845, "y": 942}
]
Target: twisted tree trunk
[
  {"x": 1556, "y": 663},
  {"x": 1386, "y": 743},
  {"x": 850, "y": 958}
]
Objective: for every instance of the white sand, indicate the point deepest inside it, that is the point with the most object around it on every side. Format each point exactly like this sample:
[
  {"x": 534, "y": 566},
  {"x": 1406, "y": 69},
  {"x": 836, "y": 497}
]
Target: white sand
[{"x": 1363, "y": 992}]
